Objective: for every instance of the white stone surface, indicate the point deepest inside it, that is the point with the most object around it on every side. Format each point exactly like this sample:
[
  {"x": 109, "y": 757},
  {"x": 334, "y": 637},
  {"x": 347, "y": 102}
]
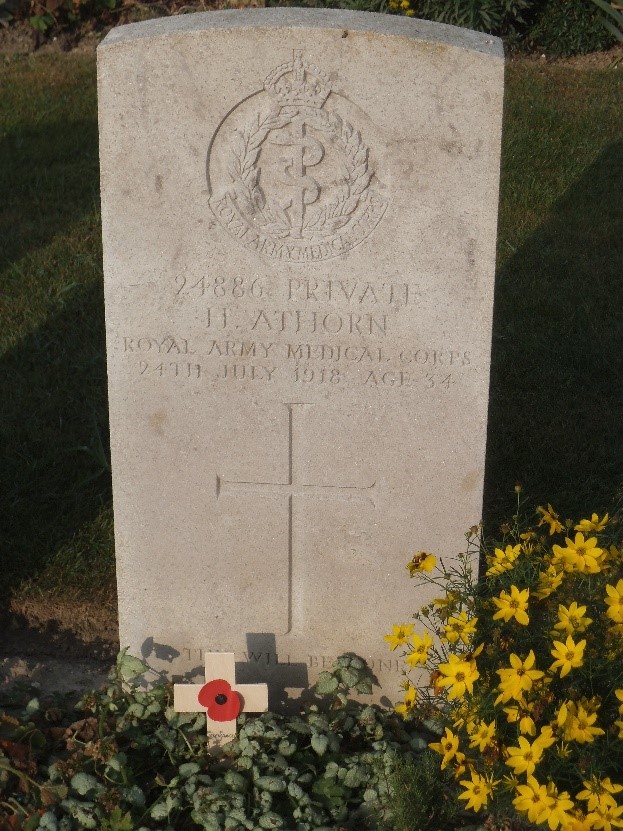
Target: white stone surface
[{"x": 299, "y": 219}]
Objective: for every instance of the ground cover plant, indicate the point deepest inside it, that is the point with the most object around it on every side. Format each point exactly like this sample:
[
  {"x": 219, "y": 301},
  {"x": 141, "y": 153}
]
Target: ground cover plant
[
  {"x": 524, "y": 672},
  {"x": 123, "y": 760}
]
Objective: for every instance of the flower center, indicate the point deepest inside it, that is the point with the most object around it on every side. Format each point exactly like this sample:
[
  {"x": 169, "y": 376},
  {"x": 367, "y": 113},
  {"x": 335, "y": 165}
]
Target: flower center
[
  {"x": 514, "y": 604},
  {"x": 569, "y": 656},
  {"x": 460, "y": 676},
  {"x": 221, "y": 698}
]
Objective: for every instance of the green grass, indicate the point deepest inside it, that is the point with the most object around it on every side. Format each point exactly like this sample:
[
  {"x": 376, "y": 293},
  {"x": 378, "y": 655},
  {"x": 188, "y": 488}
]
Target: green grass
[
  {"x": 556, "y": 420},
  {"x": 54, "y": 490}
]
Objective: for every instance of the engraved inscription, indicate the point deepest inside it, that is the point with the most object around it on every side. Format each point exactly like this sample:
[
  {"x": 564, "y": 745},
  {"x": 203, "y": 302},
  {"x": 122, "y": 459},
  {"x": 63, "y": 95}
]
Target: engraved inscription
[
  {"x": 290, "y": 177},
  {"x": 295, "y": 486},
  {"x": 376, "y": 367},
  {"x": 274, "y": 659}
]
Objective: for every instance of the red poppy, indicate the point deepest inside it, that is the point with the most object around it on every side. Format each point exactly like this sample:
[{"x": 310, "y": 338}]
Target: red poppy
[{"x": 221, "y": 702}]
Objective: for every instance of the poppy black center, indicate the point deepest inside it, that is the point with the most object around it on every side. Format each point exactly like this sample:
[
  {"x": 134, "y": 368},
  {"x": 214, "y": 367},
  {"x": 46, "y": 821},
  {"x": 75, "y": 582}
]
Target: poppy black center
[{"x": 221, "y": 698}]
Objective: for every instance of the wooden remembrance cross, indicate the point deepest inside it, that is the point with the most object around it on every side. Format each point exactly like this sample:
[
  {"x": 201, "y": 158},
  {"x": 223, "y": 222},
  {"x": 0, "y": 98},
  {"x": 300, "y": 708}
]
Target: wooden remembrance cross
[
  {"x": 294, "y": 487},
  {"x": 217, "y": 695}
]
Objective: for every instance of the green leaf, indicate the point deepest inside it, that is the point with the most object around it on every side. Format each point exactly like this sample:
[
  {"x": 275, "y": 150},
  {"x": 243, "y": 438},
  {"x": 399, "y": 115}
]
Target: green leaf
[
  {"x": 129, "y": 667},
  {"x": 326, "y": 684},
  {"x": 48, "y": 822},
  {"x": 355, "y": 777},
  {"x": 296, "y": 792},
  {"x": 85, "y": 812},
  {"x": 329, "y": 790},
  {"x": 271, "y": 820},
  {"x": 319, "y": 743},
  {"x": 270, "y": 783},
  {"x": 188, "y": 769},
  {"x": 236, "y": 781},
  {"x": 134, "y": 796},
  {"x": 159, "y": 811},
  {"x": 84, "y": 783},
  {"x": 349, "y": 677}
]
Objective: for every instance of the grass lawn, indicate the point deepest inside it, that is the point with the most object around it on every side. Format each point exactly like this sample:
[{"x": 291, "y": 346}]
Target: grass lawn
[{"x": 556, "y": 413}]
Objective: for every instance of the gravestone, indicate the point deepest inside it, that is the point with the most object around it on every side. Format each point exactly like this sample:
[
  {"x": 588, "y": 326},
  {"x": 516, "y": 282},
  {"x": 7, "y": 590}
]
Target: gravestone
[{"x": 299, "y": 221}]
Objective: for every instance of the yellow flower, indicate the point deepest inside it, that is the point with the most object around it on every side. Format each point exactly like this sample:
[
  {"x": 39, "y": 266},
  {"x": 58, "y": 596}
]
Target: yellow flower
[
  {"x": 572, "y": 619},
  {"x": 549, "y": 516},
  {"x": 409, "y": 702},
  {"x": 459, "y": 627},
  {"x": 477, "y": 791},
  {"x": 399, "y": 635},
  {"x": 598, "y": 793},
  {"x": 459, "y": 675},
  {"x": 579, "y": 726},
  {"x": 421, "y": 562},
  {"x": 446, "y": 605},
  {"x": 448, "y": 746},
  {"x": 525, "y": 757},
  {"x": 532, "y": 799},
  {"x": 549, "y": 581},
  {"x": 619, "y": 695},
  {"x": 483, "y": 735},
  {"x": 569, "y": 655},
  {"x": 518, "y": 678},
  {"x": 592, "y": 524},
  {"x": 614, "y": 602},
  {"x": 607, "y": 818},
  {"x": 503, "y": 560},
  {"x": 558, "y": 805},
  {"x": 520, "y": 712},
  {"x": 578, "y": 822},
  {"x": 580, "y": 555},
  {"x": 512, "y": 605},
  {"x": 420, "y": 647}
]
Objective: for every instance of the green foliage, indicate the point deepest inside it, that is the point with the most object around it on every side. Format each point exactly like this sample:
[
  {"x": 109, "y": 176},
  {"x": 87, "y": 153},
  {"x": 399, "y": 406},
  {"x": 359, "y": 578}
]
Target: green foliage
[
  {"x": 568, "y": 27},
  {"x": 499, "y": 17},
  {"x": 49, "y": 14},
  {"x": 422, "y": 796},
  {"x": 616, "y": 28},
  {"x": 128, "y": 762},
  {"x": 8, "y": 9}
]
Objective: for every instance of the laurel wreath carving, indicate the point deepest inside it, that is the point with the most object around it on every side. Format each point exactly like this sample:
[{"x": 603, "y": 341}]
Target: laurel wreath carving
[{"x": 271, "y": 216}]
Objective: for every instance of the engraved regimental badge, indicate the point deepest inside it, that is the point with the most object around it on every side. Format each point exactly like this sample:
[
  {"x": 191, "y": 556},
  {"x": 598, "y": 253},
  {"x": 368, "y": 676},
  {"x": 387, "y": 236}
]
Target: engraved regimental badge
[{"x": 288, "y": 175}]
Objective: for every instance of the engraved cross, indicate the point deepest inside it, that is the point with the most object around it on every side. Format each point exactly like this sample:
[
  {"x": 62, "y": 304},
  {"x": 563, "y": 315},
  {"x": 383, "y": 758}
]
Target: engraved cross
[{"x": 295, "y": 486}]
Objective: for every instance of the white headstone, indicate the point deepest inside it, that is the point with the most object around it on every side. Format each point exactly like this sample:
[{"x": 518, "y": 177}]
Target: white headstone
[{"x": 299, "y": 218}]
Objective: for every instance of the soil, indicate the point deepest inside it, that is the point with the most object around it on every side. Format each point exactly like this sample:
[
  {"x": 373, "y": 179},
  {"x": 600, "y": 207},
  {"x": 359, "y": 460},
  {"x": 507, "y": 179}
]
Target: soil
[
  {"x": 64, "y": 645},
  {"x": 59, "y": 645}
]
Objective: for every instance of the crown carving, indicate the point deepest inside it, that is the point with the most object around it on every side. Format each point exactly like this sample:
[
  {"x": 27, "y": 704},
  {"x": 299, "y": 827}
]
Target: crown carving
[{"x": 298, "y": 83}]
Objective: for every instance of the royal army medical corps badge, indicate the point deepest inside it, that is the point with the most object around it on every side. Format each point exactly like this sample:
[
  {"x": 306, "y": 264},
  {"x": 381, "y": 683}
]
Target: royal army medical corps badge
[{"x": 288, "y": 175}]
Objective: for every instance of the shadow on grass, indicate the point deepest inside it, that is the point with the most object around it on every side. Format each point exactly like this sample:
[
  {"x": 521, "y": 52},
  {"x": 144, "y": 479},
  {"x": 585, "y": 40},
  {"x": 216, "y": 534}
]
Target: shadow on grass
[
  {"x": 54, "y": 481},
  {"x": 53, "y": 437},
  {"x": 48, "y": 179},
  {"x": 556, "y": 399}
]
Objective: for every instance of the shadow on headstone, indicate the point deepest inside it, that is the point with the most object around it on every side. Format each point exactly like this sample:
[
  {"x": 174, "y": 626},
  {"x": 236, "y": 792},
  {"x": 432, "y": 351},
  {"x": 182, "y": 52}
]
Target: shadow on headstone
[
  {"x": 556, "y": 398},
  {"x": 265, "y": 665}
]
